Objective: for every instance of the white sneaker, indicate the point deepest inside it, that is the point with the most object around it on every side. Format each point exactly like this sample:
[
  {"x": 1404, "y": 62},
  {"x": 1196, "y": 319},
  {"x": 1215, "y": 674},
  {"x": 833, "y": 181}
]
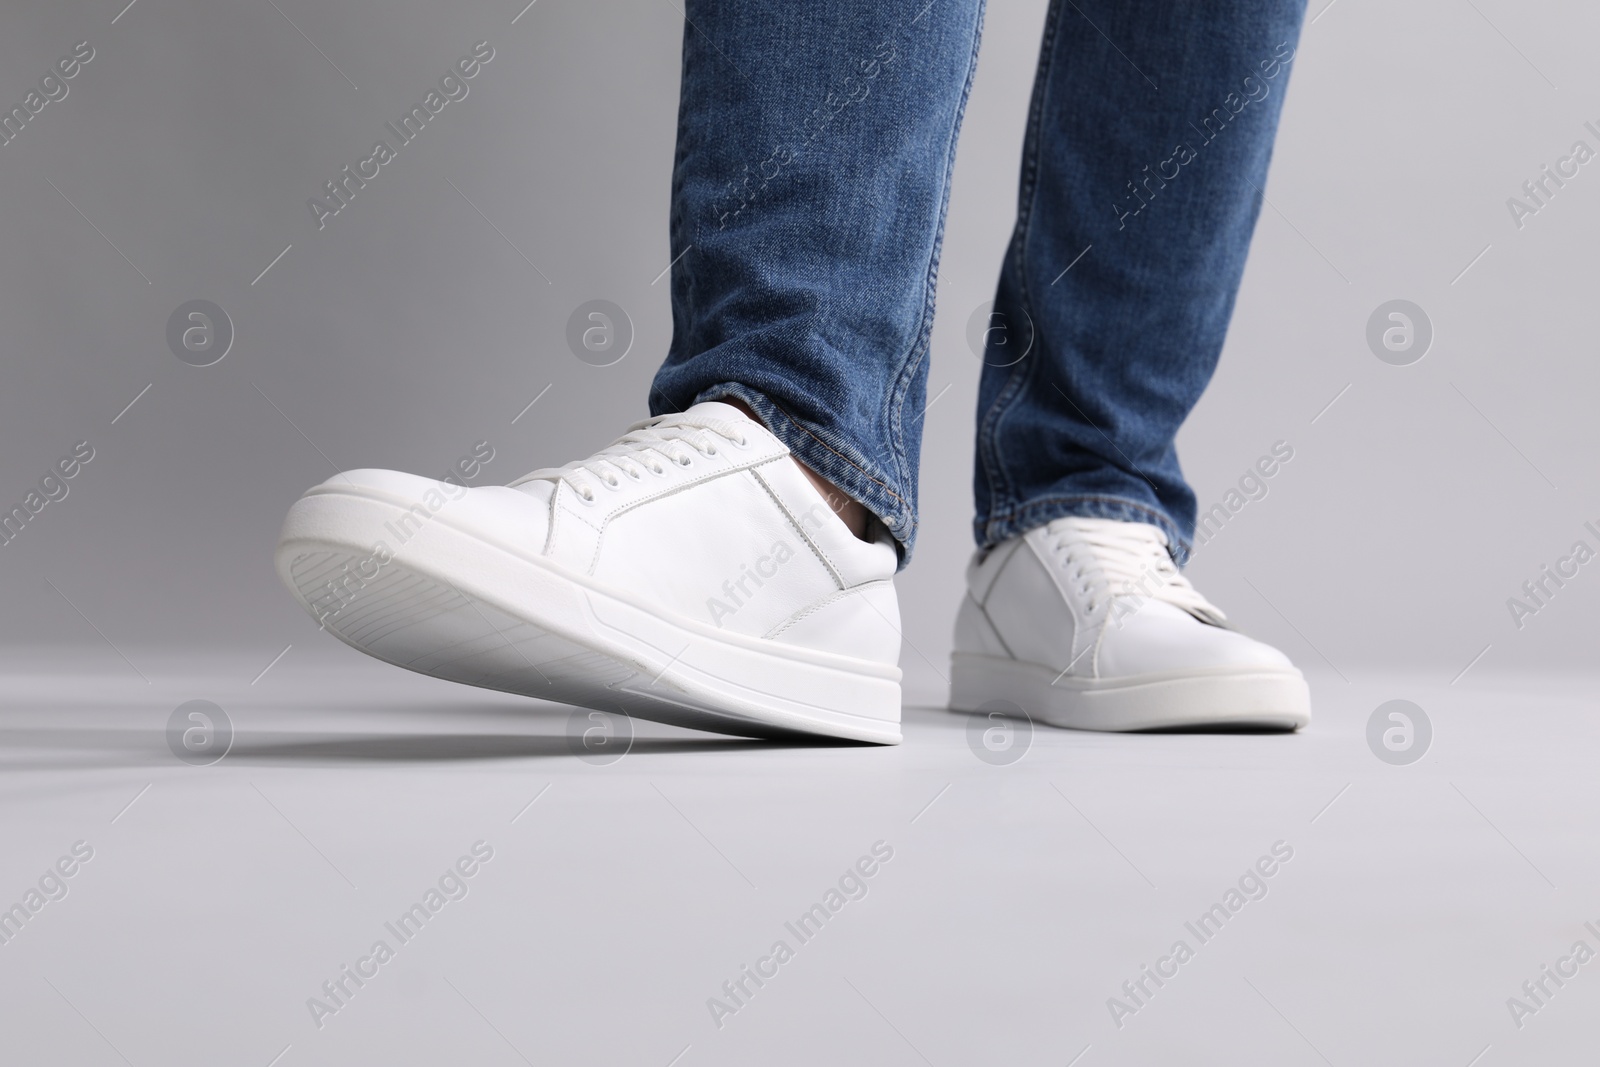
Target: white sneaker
[
  {"x": 688, "y": 573},
  {"x": 1086, "y": 623}
]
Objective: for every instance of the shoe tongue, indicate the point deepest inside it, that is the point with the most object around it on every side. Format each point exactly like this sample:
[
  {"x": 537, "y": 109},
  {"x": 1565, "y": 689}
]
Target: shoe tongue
[
  {"x": 540, "y": 489},
  {"x": 716, "y": 409},
  {"x": 1083, "y": 527},
  {"x": 541, "y": 484},
  {"x": 1135, "y": 559}
]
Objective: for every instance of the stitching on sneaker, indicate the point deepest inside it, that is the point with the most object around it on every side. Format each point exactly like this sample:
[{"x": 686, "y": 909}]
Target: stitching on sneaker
[
  {"x": 831, "y": 598},
  {"x": 838, "y": 576}
]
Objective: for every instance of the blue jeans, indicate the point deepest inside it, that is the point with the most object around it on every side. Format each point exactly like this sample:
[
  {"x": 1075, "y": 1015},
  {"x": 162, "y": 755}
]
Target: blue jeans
[{"x": 815, "y": 144}]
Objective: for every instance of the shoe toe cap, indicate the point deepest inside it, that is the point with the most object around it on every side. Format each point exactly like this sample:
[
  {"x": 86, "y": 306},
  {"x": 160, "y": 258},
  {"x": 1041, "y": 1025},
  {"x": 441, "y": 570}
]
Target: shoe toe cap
[
  {"x": 1160, "y": 638},
  {"x": 372, "y": 504}
]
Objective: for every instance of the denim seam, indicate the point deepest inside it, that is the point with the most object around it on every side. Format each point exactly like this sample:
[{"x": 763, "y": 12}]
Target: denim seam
[
  {"x": 678, "y": 221},
  {"x": 1025, "y": 375},
  {"x": 917, "y": 355},
  {"x": 993, "y": 461}
]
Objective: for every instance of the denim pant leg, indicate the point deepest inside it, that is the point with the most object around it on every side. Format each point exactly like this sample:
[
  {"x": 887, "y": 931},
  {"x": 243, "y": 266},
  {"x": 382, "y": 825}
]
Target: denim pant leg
[
  {"x": 1147, "y": 148},
  {"x": 815, "y": 143}
]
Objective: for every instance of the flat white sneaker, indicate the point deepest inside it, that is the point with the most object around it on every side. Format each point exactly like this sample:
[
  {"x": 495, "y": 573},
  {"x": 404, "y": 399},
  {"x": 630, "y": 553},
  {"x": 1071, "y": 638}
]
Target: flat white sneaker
[
  {"x": 689, "y": 573},
  {"x": 1086, "y": 623}
]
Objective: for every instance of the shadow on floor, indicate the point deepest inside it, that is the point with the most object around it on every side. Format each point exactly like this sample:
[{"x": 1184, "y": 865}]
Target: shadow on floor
[{"x": 85, "y": 737}]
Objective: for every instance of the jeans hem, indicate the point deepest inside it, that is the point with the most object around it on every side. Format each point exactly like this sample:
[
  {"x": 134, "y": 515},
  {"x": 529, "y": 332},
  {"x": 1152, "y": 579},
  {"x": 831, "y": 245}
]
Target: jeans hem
[{"x": 996, "y": 527}]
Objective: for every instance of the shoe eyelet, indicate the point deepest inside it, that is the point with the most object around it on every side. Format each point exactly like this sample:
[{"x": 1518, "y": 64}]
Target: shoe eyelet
[
  {"x": 685, "y": 461},
  {"x": 711, "y": 451}
]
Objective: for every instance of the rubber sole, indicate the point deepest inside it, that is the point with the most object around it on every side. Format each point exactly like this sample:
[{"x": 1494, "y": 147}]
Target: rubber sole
[
  {"x": 1267, "y": 700},
  {"x": 455, "y": 604}
]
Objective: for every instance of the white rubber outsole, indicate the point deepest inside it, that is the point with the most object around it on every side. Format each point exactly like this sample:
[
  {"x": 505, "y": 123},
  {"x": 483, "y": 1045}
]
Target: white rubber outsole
[
  {"x": 1229, "y": 699},
  {"x": 457, "y": 604}
]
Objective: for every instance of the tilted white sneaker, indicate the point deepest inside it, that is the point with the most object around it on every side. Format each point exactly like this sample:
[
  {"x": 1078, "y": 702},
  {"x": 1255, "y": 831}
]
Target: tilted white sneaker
[
  {"x": 688, "y": 573},
  {"x": 1086, "y": 623}
]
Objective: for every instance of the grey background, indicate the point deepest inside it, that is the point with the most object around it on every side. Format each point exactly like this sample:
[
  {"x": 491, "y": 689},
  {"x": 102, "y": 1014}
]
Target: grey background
[
  {"x": 622, "y": 896},
  {"x": 409, "y": 328}
]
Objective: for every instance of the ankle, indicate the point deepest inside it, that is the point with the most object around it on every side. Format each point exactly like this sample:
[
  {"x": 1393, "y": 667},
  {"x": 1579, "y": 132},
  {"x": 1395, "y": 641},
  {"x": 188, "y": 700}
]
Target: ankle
[{"x": 851, "y": 512}]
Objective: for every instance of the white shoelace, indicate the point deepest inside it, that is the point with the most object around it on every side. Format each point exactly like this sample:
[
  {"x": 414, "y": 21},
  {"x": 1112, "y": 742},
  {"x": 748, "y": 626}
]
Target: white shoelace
[
  {"x": 647, "y": 446},
  {"x": 1109, "y": 558}
]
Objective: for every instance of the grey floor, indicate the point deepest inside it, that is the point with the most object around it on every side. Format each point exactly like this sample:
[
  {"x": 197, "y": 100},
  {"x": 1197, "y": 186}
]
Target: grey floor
[{"x": 622, "y": 895}]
